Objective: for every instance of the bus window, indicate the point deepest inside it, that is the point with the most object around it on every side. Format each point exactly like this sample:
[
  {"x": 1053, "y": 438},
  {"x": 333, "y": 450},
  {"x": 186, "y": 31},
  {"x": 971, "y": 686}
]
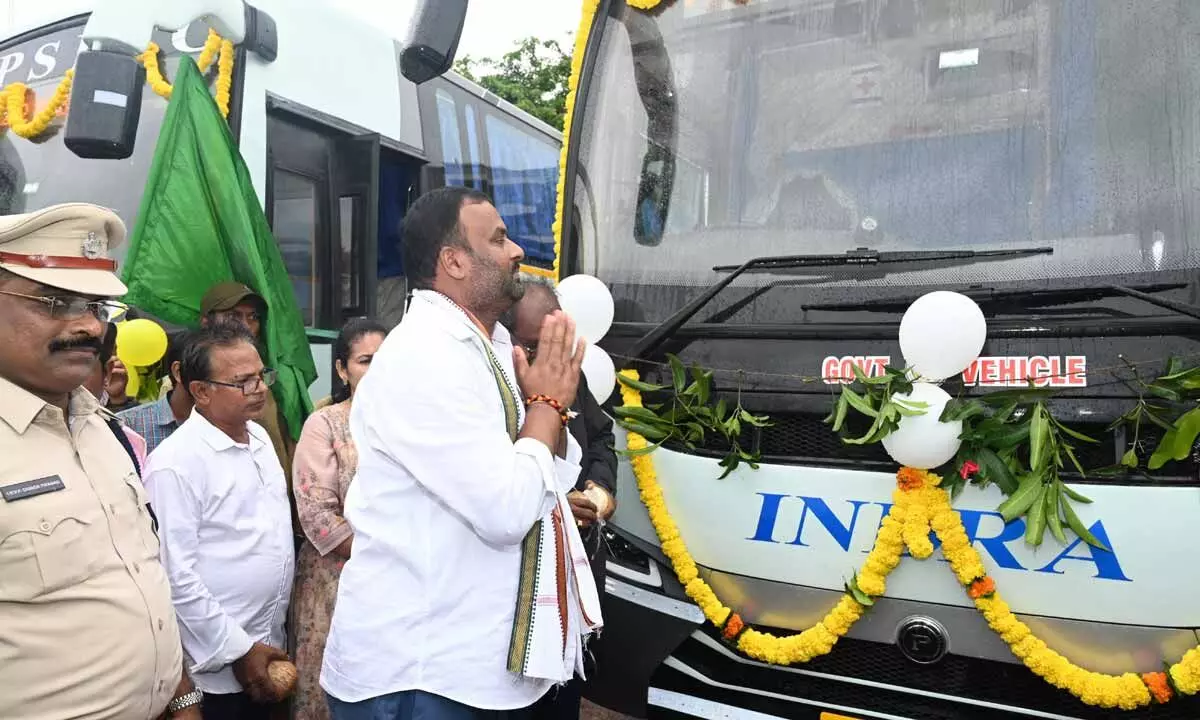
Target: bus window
[
  {"x": 452, "y": 153},
  {"x": 295, "y": 221},
  {"x": 524, "y": 183},
  {"x": 350, "y": 218},
  {"x": 476, "y": 177}
]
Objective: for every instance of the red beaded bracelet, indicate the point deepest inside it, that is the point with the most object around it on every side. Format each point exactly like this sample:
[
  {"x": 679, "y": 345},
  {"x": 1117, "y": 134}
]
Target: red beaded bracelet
[{"x": 547, "y": 400}]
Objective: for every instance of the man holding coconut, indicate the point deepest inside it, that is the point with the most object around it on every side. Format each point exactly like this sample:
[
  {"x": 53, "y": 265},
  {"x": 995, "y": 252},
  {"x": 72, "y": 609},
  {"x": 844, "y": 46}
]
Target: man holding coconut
[{"x": 225, "y": 521}]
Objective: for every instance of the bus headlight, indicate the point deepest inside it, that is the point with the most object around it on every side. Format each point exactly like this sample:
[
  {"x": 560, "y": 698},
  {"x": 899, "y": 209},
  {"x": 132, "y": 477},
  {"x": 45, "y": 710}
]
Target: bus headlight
[{"x": 106, "y": 102}]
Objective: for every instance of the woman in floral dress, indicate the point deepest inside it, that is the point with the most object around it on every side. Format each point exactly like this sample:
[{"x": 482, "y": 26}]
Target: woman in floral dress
[{"x": 324, "y": 463}]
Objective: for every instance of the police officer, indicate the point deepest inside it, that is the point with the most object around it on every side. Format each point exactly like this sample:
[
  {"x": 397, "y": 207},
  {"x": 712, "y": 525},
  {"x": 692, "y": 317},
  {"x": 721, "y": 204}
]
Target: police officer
[{"x": 87, "y": 629}]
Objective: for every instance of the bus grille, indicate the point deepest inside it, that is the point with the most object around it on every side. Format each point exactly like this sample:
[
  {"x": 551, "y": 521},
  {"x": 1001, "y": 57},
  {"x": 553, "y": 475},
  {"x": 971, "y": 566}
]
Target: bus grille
[{"x": 855, "y": 673}]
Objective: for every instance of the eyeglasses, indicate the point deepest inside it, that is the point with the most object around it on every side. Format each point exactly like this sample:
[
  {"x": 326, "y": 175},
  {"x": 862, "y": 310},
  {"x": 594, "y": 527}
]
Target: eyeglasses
[
  {"x": 248, "y": 387},
  {"x": 74, "y": 306}
]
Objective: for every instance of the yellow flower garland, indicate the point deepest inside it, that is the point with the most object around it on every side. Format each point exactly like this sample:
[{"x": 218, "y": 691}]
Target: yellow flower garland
[
  {"x": 214, "y": 47},
  {"x": 225, "y": 77},
  {"x": 919, "y": 506},
  {"x": 15, "y": 96}
]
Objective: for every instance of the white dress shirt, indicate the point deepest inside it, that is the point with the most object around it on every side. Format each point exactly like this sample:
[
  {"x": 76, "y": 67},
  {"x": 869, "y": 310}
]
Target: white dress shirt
[
  {"x": 226, "y": 529},
  {"x": 439, "y": 506}
]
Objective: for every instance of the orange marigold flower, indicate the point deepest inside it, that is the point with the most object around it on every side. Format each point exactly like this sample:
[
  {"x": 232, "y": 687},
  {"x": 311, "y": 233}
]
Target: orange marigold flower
[
  {"x": 981, "y": 587},
  {"x": 1159, "y": 687},
  {"x": 910, "y": 479},
  {"x": 733, "y": 626}
]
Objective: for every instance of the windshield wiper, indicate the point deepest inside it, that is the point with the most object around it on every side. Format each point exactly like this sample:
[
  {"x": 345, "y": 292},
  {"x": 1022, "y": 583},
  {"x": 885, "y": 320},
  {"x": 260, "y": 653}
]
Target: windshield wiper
[
  {"x": 649, "y": 342},
  {"x": 1187, "y": 309},
  {"x": 992, "y": 296},
  {"x": 868, "y": 256}
]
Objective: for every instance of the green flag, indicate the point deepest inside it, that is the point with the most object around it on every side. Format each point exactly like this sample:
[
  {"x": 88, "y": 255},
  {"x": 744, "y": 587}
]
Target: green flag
[{"x": 200, "y": 224}]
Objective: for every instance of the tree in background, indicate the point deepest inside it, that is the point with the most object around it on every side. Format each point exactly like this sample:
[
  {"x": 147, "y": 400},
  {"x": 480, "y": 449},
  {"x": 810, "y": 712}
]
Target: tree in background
[{"x": 533, "y": 76}]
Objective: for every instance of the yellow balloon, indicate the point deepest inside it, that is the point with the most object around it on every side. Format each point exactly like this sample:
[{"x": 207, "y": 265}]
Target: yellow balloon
[
  {"x": 140, "y": 343},
  {"x": 134, "y": 383}
]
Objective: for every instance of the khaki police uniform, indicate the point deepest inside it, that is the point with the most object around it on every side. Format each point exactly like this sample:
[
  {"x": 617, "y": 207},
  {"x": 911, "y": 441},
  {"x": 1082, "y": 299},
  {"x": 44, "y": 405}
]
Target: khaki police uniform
[{"x": 87, "y": 628}]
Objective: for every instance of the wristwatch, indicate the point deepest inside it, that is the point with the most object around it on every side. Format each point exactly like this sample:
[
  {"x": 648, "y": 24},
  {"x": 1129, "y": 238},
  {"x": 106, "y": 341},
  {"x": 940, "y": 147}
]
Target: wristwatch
[{"x": 185, "y": 701}]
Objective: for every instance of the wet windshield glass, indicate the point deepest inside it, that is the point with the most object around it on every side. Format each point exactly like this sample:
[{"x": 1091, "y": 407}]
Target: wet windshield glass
[
  {"x": 719, "y": 131},
  {"x": 41, "y": 172}
]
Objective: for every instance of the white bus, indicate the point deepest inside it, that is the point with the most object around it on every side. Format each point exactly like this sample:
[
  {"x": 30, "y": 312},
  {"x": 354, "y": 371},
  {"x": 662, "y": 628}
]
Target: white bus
[
  {"x": 1059, "y": 135},
  {"x": 337, "y": 142}
]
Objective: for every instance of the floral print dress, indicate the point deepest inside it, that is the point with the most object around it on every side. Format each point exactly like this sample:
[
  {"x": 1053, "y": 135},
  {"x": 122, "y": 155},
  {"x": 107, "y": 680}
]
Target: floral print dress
[{"x": 324, "y": 464}]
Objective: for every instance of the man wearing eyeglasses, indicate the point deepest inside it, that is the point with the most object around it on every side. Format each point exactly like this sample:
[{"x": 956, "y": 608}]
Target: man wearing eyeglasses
[
  {"x": 224, "y": 517},
  {"x": 233, "y": 302},
  {"x": 87, "y": 626}
]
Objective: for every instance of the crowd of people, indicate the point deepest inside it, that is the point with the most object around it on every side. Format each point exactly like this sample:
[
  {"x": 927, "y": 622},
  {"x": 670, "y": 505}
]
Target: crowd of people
[{"x": 430, "y": 547}]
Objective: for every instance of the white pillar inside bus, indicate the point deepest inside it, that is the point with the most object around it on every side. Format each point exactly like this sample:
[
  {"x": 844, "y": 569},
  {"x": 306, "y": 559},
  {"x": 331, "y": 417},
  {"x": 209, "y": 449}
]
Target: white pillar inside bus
[{"x": 127, "y": 25}]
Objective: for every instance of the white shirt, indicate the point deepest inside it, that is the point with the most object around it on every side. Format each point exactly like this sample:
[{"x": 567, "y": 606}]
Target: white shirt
[
  {"x": 439, "y": 506},
  {"x": 226, "y": 530}
]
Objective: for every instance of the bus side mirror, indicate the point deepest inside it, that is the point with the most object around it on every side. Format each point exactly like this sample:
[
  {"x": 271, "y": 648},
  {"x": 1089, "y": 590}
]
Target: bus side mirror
[
  {"x": 432, "y": 39},
  {"x": 106, "y": 102}
]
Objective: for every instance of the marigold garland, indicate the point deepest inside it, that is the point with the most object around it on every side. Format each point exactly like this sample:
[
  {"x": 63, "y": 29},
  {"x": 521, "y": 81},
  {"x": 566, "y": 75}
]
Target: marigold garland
[
  {"x": 581, "y": 39},
  {"x": 17, "y": 103},
  {"x": 215, "y": 48},
  {"x": 225, "y": 77},
  {"x": 17, "y": 100},
  {"x": 919, "y": 506}
]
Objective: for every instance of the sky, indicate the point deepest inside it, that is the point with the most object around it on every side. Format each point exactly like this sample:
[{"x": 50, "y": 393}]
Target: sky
[{"x": 493, "y": 26}]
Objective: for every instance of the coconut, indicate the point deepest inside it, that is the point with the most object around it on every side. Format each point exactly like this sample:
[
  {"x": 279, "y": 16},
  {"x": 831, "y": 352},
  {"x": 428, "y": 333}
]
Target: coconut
[{"x": 283, "y": 677}]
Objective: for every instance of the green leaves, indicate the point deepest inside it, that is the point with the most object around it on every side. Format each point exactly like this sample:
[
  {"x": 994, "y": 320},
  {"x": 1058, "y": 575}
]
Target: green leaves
[
  {"x": 1035, "y": 520},
  {"x": 642, "y": 387},
  {"x": 1018, "y": 503},
  {"x": 688, "y": 417},
  {"x": 1039, "y": 437},
  {"x": 1178, "y": 441},
  {"x": 533, "y": 76},
  {"x": 994, "y": 470},
  {"x": 855, "y": 592},
  {"x": 874, "y": 398},
  {"x": 1078, "y": 528},
  {"x": 1169, "y": 403}
]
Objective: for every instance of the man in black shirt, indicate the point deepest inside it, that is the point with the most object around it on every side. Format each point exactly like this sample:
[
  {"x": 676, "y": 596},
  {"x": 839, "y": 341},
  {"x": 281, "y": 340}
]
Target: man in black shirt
[{"x": 594, "y": 498}]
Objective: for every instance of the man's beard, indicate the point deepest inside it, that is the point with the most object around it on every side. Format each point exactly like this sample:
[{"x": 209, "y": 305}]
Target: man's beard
[{"x": 495, "y": 287}]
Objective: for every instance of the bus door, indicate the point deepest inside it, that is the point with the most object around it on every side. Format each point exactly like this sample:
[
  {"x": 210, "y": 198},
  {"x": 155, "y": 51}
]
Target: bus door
[{"x": 335, "y": 201}]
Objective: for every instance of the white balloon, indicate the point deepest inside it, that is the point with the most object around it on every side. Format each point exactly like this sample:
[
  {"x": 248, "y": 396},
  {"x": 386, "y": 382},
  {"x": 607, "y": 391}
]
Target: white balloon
[
  {"x": 922, "y": 441},
  {"x": 941, "y": 334},
  {"x": 589, "y": 303},
  {"x": 600, "y": 372}
]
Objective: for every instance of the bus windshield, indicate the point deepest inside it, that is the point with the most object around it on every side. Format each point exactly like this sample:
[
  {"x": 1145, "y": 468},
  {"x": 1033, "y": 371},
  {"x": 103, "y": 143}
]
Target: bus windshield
[
  {"x": 41, "y": 172},
  {"x": 719, "y": 131}
]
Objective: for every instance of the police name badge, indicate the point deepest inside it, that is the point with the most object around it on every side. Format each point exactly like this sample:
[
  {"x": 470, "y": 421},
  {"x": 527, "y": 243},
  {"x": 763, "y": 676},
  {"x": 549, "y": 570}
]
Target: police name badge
[{"x": 31, "y": 488}]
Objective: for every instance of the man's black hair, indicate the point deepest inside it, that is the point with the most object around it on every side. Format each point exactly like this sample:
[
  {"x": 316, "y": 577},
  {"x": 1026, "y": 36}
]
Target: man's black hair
[
  {"x": 195, "y": 363},
  {"x": 176, "y": 342},
  {"x": 430, "y": 225}
]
